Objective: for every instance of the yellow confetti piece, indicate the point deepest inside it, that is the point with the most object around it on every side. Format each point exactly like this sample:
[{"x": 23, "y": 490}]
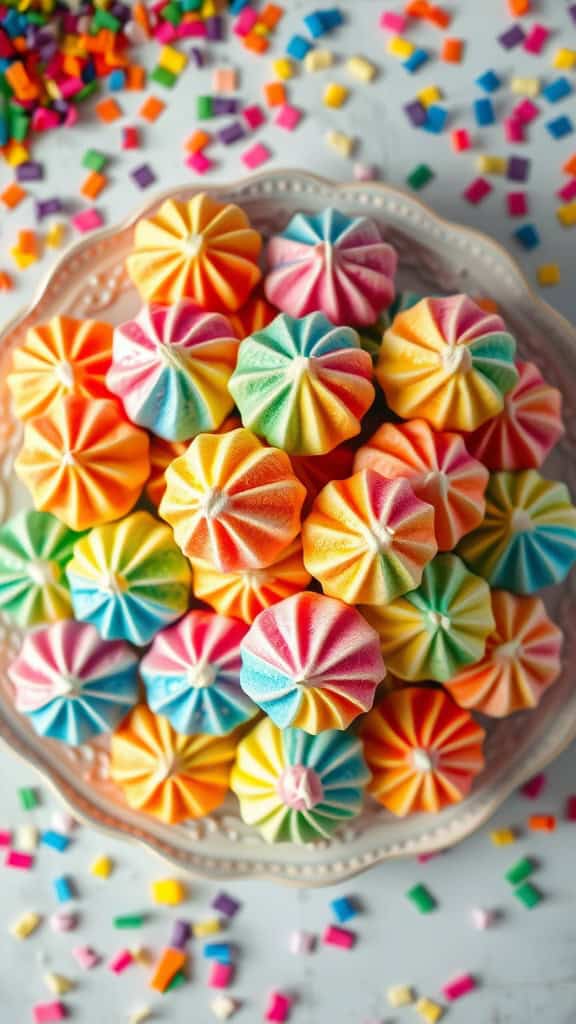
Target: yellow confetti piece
[
  {"x": 567, "y": 215},
  {"x": 283, "y": 68},
  {"x": 400, "y": 47},
  {"x": 15, "y": 153},
  {"x": 102, "y": 867},
  {"x": 27, "y": 838},
  {"x": 58, "y": 984},
  {"x": 318, "y": 60},
  {"x": 168, "y": 890},
  {"x": 361, "y": 68},
  {"x": 25, "y": 925},
  {"x": 492, "y": 164},
  {"x": 208, "y": 927},
  {"x": 429, "y": 1011},
  {"x": 142, "y": 955},
  {"x": 342, "y": 143},
  {"x": 548, "y": 275},
  {"x": 23, "y": 260},
  {"x": 503, "y": 836},
  {"x": 400, "y": 995},
  {"x": 55, "y": 235},
  {"x": 432, "y": 94},
  {"x": 564, "y": 59},
  {"x": 526, "y": 87},
  {"x": 172, "y": 60},
  {"x": 335, "y": 95},
  {"x": 141, "y": 1015}
]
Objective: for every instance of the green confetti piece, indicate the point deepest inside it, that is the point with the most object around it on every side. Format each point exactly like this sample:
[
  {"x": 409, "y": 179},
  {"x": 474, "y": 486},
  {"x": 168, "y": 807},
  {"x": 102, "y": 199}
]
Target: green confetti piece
[
  {"x": 28, "y": 798},
  {"x": 129, "y": 921},
  {"x": 172, "y": 13},
  {"x": 104, "y": 19},
  {"x": 93, "y": 160},
  {"x": 191, "y": 5},
  {"x": 89, "y": 90},
  {"x": 520, "y": 871},
  {"x": 422, "y": 899},
  {"x": 420, "y": 177},
  {"x": 164, "y": 77},
  {"x": 204, "y": 107},
  {"x": 178, "y": 980},
  {"x": 529, "y": 895}
]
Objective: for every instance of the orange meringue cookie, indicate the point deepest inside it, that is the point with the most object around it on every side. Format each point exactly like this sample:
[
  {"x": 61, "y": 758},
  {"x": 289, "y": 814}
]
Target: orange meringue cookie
[
  {"x": 163, "y": 773},
  {"x": 255, "y": 314},
  {"x": 422, "y": 749},
  {"x": 244, "y": 594},
  {"x": 201, "y": 249},
  {"x": 59, "y": 358},
  {"x": 162, "y": 453},
  {"x": 232, "y": 502},
  {"x": 522, "y": 659},
  {"x": 84, "y": 462},
  {"x": 440, "y": 470}
]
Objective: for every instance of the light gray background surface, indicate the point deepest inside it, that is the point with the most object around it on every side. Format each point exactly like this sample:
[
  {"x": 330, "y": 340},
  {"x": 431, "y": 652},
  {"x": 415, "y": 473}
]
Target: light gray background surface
[{"x": 525, "y": 965}]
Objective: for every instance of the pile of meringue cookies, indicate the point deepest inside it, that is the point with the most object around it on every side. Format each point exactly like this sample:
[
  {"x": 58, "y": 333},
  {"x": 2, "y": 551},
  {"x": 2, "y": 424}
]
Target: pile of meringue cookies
[{"x": 289, "y": 528}]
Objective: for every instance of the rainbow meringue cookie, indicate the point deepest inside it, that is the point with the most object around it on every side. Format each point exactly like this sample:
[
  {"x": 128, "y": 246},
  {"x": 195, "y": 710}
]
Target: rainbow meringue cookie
[
  {"x": 201, "y": 250},
  {"x": 245, "y": 594},
  {"x": 232, "y": 502},
  {"x": 527, "y": 539},
  {"x": 423, "y": 751},
  {"x": 448, "y": 362},
  {"x": 35, "y": 548},
  {"x": 522, "y": 659},
  {"x": 192, "y": 674},
  {"x": 83, "y": 461},
  {"x": 435, "y": 630},
  {"x": 311, "y": 662},
  {"x": 303, "y": 384},
  {"x": 298, "y": 788},
  {"x": 129, "y": 578},
  {"x": 169, "y": 776},
  {"x": 367, "y": 539},
  {"x": 530, "y": 424},
  {"x": 56, "y": 359},
  {"x": 440, "y": 470},
  {"x": 332, "y": 263},
  {"x": 71, "y": 684},
  {"x": 170, "y": 368}
]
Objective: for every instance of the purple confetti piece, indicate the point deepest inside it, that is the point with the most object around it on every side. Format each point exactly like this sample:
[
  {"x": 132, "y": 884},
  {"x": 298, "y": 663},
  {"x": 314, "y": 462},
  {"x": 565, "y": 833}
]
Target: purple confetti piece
[
  {"x": 29, "y": 171},
  {"x": 197, "y": 56},
  {"x": 224, "y": 105},
  {"x": 214, "y": 28},
  {"x": 518, "y": 168},
  {"x": 512, "y": 37},
  {"x": 416, "y": 113},
  {"x": 143, "y": 176},
  {"x": 47, "y": 207},
  {"x": 231, "y": 133},
  {"x": 181, "y": 933},
  {"x": 226, "y": 904}
]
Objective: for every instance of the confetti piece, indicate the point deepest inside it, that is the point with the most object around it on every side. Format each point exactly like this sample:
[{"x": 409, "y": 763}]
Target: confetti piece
[
  {"x": 503, "y": 836},
  {"x": 301, "y": 942},
  {"x": 63, "y": 921},
  {"x": 525, "y": 86},
  {"x": 557, "y": 90},
  {"x": 548, "y": 274},
  {"x": 518, "y": 7},
  {"x": 361, "y": 68},
  {"x": 221, "y": 951},
  {"x": 141, "y": 1015},
  {"x": 341, "y": 143},
  {"x": 420, "y": 177},
  {"x": 460, "y": 140},
  {"x": 422, "y": 899},
  {"x": 452, "y": 51},
  {"x": 335, "y": 95},
  {"x": 482, "y": 919},
  {"x": 430, "y": 95},
  {"x": 517, "y": 203},
  {"x": 130, "y": 138},
  {"x": 224, "y": 1007},
  {"x": 277, "y": 1007},
  {"x": 102, "y": 867},
  {"x": 168, "y": 891},
  {"x": 63, "y": 889},
  {"x": 534, "y": 787},
  {"x": 120, "y": 961},
  {"x": 12, "y": 196},
  {"x": 393, "y": 22},
  {"x": 399, "y": 47},
  {"x": 528, "y": 895},
  {"x": 318, "y": 60},
  {"x": 528, "y": 237},
  {"x": 225, "y": 904},
  {"x": 428, "y": 1010},
  {"x": 560, "y": 127},
  {"x": 171, "y": 961},
  {"x": 283, "y": 68},
  {"x": 129, "y": 921},
  {"x": 143, "y": 176},
  {"x": 6, "y": 282},
  {"x": 458, "y": 987},
  {"x": 25, "y": 925},
  {"x": 151, "y": 109},
  {"x": 484, "y": 112},
  {"x": 44, "y": 1013},
  {"x": 28, "y": 798},
  {"x": 564, "y": 59},
  {"x": 489, "y": 81},
  {"x": 93, "y": 185},
  {"x": 199, "y": 162},
  {"x": 28, "y": 838},
  {"x": 58, "y": 983},
  {"x": 87, "y": 220},
  {"x": 274, "y": 94},
  {"x": 567, "y": 215},
  {"x": 172, "y": 60},
  {"x": 512, "y": 37},
  {"x": 21, "y": 861},
  {"x": 85, "y": 957},
  {"x": 492, "y": 164},
  {"x": 108, "y": 110},
  {"x": 210, "y": 926},
  {"x": 288, "y": 117},
  {"x": 341, "y": 937},
  {"x": 221, "y": 975},
  {"x": 344, "y": 909},
  {"x": 400, "y": 995},
  {"x": 416, "y": 60},
  {"x": 477, "y": 191},
  {"x": 521, "y": 870},
  {"x": 298, "y": 47},
  {"x": 570, "y": 809},
  {"x": 436, "y": 119},
  {"x": 536, "y": 39},
  {"x": 364, "y": 172}
]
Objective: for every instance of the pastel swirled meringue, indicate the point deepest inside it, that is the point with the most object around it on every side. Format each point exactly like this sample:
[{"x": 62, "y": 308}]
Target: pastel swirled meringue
[
  {"x": 440, "y": 470},
  {"x": 192, "y": 674},
  {"x": 448, "y": 362},
  {"x": 530, "y": 424},
  {"x": 245, "y": 594},
  {"x": 129, "y": 578},
  {"x": 311, "y": 662},
  {"x": 435, "y": 630},
  {"x": 232, "y": 502},
  {"x": 253, "y": 316},
  {"x": 170, "y": 368},
  {"x": 303, "y": 384},
  {"x": 331, "y": 263},
  {"x": 522, "y": 659},
  {"x": 200, "y": 249},
  {"x": 162, "y": 453},
  {"x": 367, "y": 539},
  {"x": 170, "y": 776},
  {"x": 83, "y": 461},
  {"x": 71, "y": 684},
  {"x": 59, "y": 358},
  {"x": 424, "y": 751},
  {"x": 527, "y": 539},
  {"x": 35, "y": 548},
  {"x": 298, "y": 788}
]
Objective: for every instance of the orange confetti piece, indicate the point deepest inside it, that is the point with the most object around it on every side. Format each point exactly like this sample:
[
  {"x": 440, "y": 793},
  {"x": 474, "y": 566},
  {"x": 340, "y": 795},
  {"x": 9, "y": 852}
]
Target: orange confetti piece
[
  {"x": 152, "y": 108},
  {"x": 93, "y": 185},
  {"x": 108, "y": 110},
  {"x": 13, "y": 195},
  {"x": 171, "y": 961}
]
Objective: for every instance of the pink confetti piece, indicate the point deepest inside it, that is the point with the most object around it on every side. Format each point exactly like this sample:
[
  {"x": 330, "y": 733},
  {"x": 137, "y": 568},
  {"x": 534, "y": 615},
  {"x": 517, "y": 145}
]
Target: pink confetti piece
[
  {"x": 536, "y": 39},
  {"x": 87, "y": 220},
  {"x": 288, "y": 117},
  {"x": 458, "y": 987},
  {"x": 6, "y": 837},
  {"x": 526, "y": 111},
  {"x": 245, "y": 21},
  {"x": 517, "y": 203},
  {"x": 568, "y": 192},
  {"x": 255, "y": 156},
  {"x": 534, "y": 787},
  {"x": 514, "y": 130},
  {"x": 22, "y": 861},
  {"x": 85, "y": 957},
  {"x": 120, "y": 961},
  {"x": 199, "y": 162},
  {"x": 253, "y": 116},
  {"x": 341, "y": 937},
  {"x": 482, "y": 919},
  {"x": 477, "y": 191},
  {"x": 393, "y": 22},
  {"x": 301, "y": 942},
  {"x": 460, "y": 140},
  {"x": 63, "y": 921},
  {"x": 278, "y": 1007},
  {"x": 220, "y": 975},
  {"x": 46, "y": 1012}
]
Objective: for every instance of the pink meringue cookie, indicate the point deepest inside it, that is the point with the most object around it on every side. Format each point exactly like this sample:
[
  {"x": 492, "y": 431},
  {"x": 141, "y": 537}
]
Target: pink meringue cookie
[{"x": 333, "y": 264}]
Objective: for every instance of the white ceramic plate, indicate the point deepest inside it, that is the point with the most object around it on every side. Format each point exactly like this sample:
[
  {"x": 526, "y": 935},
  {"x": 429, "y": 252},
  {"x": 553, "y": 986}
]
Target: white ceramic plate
[{"x": 435, "y": 257}]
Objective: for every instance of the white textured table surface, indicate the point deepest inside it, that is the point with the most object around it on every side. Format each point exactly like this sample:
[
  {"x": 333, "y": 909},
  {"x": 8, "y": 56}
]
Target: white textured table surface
[{"x": 525, "y": 965}]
